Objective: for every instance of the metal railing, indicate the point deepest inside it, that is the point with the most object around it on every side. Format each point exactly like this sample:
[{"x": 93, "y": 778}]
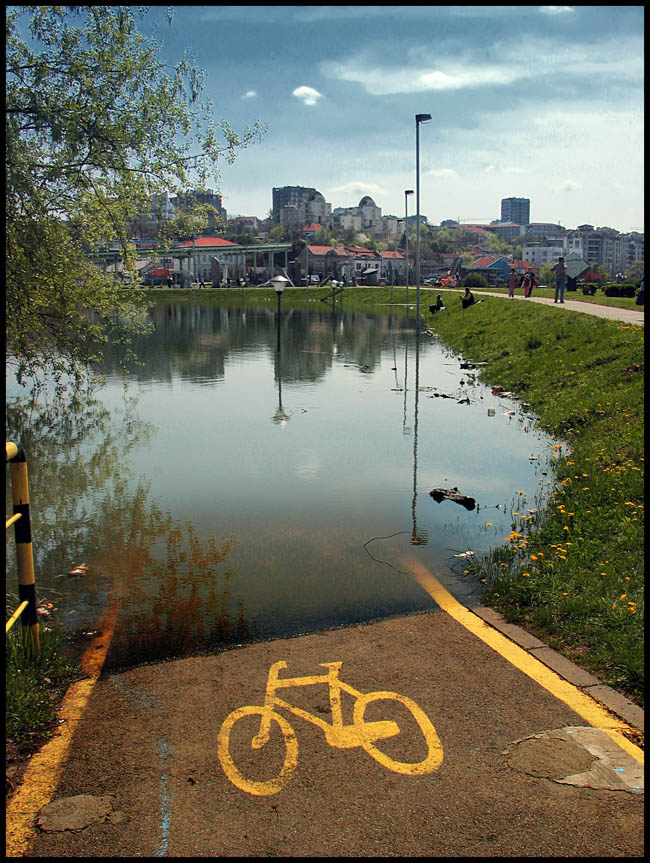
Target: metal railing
[{"x": 21, "y": 523}]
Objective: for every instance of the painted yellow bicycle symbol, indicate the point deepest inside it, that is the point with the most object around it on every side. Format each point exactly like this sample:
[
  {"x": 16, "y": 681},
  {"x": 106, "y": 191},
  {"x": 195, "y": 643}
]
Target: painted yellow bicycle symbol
[{"x": 359, "y": 733}]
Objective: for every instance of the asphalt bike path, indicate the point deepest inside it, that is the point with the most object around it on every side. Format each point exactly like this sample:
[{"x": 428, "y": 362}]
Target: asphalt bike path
[
  {"x": 415, "y": 736},
  {"x": 438, "y": 734}
]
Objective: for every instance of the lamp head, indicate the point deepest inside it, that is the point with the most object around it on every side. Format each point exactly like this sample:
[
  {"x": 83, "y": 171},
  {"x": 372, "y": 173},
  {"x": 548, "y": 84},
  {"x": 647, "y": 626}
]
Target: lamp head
[
  {"x": 423, "y": 118},
  {"x": 278, "y": 283},
  {"x": 408, "y": 191}
]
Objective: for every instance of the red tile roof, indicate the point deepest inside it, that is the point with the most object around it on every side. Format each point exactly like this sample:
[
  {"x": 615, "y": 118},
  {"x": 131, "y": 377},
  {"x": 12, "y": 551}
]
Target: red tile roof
[
  {"x": 313, "y": 227},
  {"x": 484, "y": 262},
  {"x": 394, "y": 255},
  {"x": 206, "y": 241}
]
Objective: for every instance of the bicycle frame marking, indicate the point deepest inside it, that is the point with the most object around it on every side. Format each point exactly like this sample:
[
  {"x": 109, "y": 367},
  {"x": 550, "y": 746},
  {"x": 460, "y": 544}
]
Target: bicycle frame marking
[{"x": 337, "y": 734}]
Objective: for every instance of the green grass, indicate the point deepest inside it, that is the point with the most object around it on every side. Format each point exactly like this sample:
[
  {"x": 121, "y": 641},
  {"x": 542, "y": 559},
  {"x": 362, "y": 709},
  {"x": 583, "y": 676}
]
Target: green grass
[
  {"x": 574, "y": 574},
  {"x": 34, "y": 686}
]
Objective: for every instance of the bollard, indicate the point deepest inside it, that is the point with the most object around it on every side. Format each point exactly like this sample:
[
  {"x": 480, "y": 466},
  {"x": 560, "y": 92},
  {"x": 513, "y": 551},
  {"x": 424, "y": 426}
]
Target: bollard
[{"x": 23, "y": 531}]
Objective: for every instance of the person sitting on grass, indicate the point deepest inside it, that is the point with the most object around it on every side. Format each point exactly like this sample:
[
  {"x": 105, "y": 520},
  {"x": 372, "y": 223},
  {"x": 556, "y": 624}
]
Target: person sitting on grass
[
  {"x": 437, "y": 306},
  {"x": 467, "y": 299}
]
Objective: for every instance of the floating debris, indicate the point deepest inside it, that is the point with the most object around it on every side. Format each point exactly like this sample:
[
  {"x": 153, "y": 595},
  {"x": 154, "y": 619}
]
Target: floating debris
[
  {"x": 440, "y": 494},
  {"x": 78, "y": 570}
]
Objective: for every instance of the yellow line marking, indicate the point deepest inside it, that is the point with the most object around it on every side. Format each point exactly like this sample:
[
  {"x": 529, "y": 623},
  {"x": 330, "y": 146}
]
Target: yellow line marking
[
  {"x": 578, "y": 701},
  {"x": 45, "y": 768}
]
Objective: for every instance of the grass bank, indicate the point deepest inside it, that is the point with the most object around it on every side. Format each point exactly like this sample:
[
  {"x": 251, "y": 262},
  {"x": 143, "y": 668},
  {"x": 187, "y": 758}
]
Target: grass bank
[{"x": 573, "y": 575}]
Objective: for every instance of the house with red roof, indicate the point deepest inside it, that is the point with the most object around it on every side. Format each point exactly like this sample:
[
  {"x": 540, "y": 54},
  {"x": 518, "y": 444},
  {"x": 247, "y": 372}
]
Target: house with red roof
[
  {"x": 213, "y": 259},
  {"x": 494, "y": 269}
]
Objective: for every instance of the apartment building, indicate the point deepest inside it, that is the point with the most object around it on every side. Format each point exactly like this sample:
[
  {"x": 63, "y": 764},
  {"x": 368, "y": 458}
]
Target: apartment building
[
  {"x": 515, "y": 210},
  {"x": 606, "y": 247},
  {"x": 294, "y": 206}
]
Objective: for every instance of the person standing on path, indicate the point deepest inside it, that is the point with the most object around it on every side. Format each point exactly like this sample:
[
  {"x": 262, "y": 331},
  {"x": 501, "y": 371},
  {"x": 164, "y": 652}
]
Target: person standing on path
[
  {"x": 533, "y": 282},
  {"x": 560, "y": 273},
  {"x": 526, "y": 285},
  {"x": 512, "y": 282}
]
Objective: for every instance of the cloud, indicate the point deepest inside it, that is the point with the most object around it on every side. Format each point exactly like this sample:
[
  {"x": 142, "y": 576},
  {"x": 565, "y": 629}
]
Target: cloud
[
  {"x": 619, "y": 59},
  {"x": 357, "y": 189},
  {"x": 555, "y": 10},
  {"x": 449, "y": 75},
  {"x": 567, "y": 186},
  {"x": 250, "y": 94},
  {"x": 307, "y": 95},
  {"x": 441, "y": 173}
]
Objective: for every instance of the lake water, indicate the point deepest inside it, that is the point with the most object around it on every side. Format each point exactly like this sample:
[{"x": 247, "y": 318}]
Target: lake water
[{"x": 232, "y": 491}]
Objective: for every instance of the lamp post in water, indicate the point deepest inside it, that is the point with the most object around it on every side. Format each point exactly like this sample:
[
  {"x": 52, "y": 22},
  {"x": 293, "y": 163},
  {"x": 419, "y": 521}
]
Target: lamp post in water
[
  {"x": 407, "y": 192},
  {"x": 419, "y": 118}
]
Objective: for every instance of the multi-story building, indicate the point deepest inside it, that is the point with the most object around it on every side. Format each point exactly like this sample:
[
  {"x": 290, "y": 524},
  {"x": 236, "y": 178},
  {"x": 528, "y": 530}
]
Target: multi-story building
[
  {"x": 606, "y": 247},
  {"x": 508, "y": 231},
  {"x": 365, "y": 217},
  {"x": 186, "y": 200},
  {"x": 294, "y": 206},
  {"x": 543, "y": 230},
  {"x": 515, "y": 210},
  {"x": 538, "y": 253}
]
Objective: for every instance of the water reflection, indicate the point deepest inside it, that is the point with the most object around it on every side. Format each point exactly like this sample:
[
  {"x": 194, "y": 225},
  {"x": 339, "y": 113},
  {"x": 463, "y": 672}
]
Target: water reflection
[{"x": 233, "y": 491}]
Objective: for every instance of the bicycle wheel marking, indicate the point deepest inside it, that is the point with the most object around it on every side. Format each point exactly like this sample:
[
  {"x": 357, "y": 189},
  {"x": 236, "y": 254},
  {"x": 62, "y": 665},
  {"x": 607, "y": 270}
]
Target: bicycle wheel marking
[
  {"x": 260, "y": 788},
  {"x": 337, "y": 734}
]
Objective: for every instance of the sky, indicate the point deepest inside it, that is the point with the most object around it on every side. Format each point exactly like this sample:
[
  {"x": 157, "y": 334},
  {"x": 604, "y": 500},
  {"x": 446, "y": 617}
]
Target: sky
[{"x": 539, "y": 102}]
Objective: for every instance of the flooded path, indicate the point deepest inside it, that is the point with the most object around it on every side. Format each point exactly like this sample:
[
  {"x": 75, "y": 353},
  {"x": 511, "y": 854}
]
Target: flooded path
[{"x": 231, "y": 492}]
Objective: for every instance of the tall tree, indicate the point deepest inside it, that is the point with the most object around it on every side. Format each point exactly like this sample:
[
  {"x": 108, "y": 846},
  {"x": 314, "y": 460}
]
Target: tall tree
[{"x": 96, "y": 126}]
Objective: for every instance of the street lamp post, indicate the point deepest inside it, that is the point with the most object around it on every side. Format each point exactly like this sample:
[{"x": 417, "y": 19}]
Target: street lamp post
[
  {"x": 407, "y": 192},
  {"x": 419, "y": 118},
  {"x": 278, "y": 283}
]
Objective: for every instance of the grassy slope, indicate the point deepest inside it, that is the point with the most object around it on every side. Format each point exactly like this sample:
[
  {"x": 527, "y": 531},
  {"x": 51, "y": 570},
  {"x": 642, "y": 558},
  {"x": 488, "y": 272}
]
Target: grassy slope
[{"x": 575, "y": 575}]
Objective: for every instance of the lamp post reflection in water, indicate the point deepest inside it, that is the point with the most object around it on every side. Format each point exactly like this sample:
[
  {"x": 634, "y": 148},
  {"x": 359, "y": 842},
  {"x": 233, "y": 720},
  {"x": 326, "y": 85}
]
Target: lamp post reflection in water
[
  {"x": 280, "y": 417},
  {"x": 278, "y": 283},
  {"x": 416, "y": 539}
]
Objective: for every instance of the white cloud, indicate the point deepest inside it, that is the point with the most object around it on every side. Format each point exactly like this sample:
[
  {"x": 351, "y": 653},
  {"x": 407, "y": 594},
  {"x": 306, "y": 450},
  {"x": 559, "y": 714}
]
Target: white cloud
[
  {"x": 307, "y": 95},
  {"x": 349, "y": 194},
  {"x": 250, "y": 94},
  {"x": 555, "y": 10},
  {"x": 567, "y": 186},
  {"x": 441, "y": 173},
  {"x": 609, "y": 58}
]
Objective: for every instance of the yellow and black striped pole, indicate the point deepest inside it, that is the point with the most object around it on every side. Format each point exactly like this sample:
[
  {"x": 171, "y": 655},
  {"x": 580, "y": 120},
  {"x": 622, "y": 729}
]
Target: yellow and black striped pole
[{"x": 23, "y": 530}]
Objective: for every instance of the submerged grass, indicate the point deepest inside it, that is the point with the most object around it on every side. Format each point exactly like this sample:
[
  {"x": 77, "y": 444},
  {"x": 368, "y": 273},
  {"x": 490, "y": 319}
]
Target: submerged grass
[{"x": 34, "y": 686}]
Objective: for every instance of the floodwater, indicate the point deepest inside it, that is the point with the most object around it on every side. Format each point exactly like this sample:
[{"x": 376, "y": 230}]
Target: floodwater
[{"x": 232, "y": 491}]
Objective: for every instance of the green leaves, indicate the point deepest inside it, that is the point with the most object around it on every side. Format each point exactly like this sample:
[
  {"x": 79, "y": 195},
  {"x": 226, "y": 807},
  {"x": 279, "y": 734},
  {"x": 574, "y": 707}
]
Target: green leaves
[{"x": 96, "y": 126}]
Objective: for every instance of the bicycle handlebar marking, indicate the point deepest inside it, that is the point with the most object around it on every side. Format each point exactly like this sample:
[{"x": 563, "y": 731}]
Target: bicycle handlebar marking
[{"x": 360, "y": 733}]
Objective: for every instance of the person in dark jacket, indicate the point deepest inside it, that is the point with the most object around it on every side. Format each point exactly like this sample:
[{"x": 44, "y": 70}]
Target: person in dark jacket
[{"x": 467, "y": 299}]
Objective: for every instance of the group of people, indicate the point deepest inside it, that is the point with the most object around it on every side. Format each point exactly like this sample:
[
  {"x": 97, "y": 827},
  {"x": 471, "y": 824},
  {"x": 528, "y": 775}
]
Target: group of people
[{"x": 527, "y": 282}]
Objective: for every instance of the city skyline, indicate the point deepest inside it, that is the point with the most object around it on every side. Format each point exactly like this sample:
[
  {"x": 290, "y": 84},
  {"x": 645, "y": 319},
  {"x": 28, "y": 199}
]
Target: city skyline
[{"x": 539, "y": 102}]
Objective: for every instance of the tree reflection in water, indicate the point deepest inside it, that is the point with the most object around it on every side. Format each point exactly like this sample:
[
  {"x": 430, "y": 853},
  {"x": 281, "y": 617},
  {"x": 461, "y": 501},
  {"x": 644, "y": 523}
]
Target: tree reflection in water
[{"x": 159, "y": 584}]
